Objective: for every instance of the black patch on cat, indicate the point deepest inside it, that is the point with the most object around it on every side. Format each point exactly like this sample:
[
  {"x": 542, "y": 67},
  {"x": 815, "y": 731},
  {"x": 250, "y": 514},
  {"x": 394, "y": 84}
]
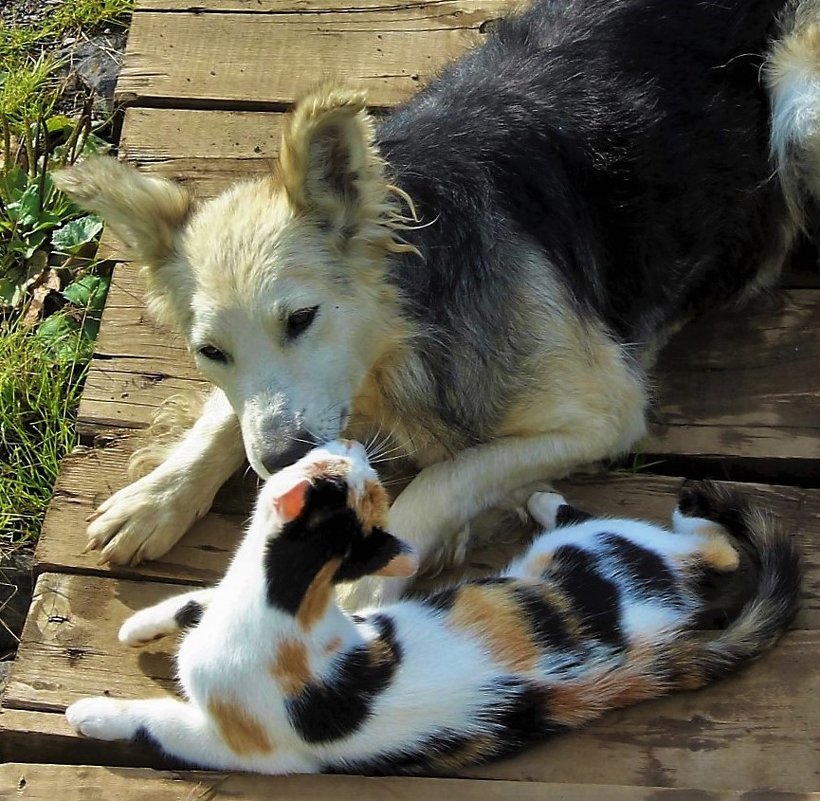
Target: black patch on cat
[
  {"x": 336, "y": 708},
  {"x": 188, "y": 615},
  {"x": 325, "y": 529},
  {"x": 516, "y": 715},
  {"x": 442, "y": 600},
  {"x": 524, "y": 715},
  {"x": 369, "y": 554},
  {"x": 546, "y": 622},
  {"x": 568, "y": 516},
  {"x": 648, "y": 574},
  {"x": 594, "y": 598},
  {"x": 406, "y": 762}
]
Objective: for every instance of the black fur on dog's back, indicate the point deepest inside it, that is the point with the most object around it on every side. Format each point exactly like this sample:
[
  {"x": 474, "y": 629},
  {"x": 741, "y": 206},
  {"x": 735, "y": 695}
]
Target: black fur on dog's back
[{"x": 626, "y": 142}]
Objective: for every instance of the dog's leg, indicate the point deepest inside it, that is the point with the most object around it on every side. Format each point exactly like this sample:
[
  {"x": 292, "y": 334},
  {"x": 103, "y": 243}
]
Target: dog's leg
[
  {"x": 445, "y": 496},
  {"x": 146, "y": 518}
]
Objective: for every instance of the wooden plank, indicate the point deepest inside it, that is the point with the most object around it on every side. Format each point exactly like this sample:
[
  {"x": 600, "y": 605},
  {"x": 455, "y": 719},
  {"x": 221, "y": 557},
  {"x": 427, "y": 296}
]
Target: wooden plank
[
  {"x": 268, "y": 61},
  {"x": 69, "y": 647},
  {"x": 91, "y": 474},
  {"x": 45, "y": 782},
  {"x": 744, "y": 384},
  {"x": 293, "y": 6},
  {"x": 27, "y": 736},
  {"x": 737, "y": 734}
]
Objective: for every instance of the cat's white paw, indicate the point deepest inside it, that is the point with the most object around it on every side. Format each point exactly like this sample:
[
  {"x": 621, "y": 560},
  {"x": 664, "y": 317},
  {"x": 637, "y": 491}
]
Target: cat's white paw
[
  {"x": 145, "y": 519},
  {"x": 146, "y": 626},
  {"x": 544, "y": 506},
  {"x": 101, "y": 718}
]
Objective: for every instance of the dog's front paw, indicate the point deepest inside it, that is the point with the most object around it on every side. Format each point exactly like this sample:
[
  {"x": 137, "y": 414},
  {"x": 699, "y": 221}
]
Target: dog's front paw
[
  {"x": 101, "y": 718},
  {"x": 144, "y": 520}
]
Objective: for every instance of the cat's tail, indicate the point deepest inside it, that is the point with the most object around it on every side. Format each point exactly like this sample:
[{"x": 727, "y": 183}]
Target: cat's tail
[
  {"x": 776, "y": 594},
  {"x": 686, "y": 660}
]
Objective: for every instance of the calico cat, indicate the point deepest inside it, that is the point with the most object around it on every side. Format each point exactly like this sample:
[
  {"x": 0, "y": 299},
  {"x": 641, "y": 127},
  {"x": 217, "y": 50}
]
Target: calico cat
[{"x": 596, "y": 614}]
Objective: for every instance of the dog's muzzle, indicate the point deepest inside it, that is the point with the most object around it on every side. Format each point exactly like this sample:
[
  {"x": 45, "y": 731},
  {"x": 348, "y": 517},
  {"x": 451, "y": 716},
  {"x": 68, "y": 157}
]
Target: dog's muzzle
[{"x": 301, "y": 443}]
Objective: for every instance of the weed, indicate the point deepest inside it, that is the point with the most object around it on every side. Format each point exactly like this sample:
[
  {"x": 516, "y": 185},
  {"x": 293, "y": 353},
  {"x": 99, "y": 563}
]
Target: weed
[{"x": 51, "y": 287}]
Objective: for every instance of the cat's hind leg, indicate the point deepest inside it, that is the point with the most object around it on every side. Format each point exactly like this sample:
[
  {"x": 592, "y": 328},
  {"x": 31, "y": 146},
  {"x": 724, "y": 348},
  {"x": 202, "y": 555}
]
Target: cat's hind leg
[
  {"x": 701, "y": 512},
  {"x": 165, "y": 618},
  {"x": 551, "y": 510}
]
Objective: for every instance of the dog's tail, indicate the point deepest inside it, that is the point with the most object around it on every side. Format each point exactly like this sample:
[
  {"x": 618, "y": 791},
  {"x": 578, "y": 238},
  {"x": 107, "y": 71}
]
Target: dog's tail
[
  {"x": 776, "y": 596},
  {"x": 792, "y": 75}
]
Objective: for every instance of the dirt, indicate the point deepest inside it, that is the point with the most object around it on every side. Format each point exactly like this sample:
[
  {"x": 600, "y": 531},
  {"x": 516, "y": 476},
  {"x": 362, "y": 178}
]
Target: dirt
[{"x": 90, "y": 59}]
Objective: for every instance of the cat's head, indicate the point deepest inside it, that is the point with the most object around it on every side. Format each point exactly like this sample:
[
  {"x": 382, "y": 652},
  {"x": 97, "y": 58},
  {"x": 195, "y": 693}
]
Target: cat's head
[{"x": 328, "y": 513}]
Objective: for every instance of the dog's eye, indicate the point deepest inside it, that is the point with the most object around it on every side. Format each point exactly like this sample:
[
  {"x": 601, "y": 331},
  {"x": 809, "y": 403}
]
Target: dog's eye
[
  {"x": 213, "y": 354},
  {"x": 300, "y": 321}
]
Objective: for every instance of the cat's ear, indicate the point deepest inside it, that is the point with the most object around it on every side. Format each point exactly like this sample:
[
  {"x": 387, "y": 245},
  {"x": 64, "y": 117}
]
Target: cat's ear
[
  {"x": 379, "y": 554},
  {"x": 291, "y": 502}
]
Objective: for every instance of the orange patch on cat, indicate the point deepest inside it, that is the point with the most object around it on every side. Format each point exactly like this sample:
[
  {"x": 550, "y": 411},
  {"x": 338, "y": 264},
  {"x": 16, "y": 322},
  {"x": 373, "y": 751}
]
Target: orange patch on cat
[
  {"x": 333, "y": 645},
  {"x": 538, "y": 565},
  {"x": 720, "y": 555},
  {"x": 371, "y": 505},
  {"x": 492, "y": 614},
  {"x": 291, "y": 668},
  {"x": 330, "y": 468},
  {"x": 471, "y": 752},
  {"x": 317, "y": 596},
  {"x": 242, "y": 733}
]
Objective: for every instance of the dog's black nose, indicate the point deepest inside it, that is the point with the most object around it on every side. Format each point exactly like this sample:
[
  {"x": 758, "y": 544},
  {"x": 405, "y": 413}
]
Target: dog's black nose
[{"x": 299, "y": 445}]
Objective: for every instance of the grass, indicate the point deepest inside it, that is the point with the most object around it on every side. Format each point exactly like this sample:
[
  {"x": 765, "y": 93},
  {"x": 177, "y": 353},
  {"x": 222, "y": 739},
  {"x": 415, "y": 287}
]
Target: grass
[
  {"x": 40, "y": 383},
  {"x": 51, "y": 287}
]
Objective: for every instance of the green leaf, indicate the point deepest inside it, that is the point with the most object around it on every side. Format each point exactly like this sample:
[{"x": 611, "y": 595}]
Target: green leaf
[
  {"x": 63, "y": 336},
  {"x": 59, "y": 124},
  {"x": 26, "y": 211},
  {"x": 69, "y": 238},
  {"x": 11, "y": 293},
  {"x": 15, "y": 182},
  {"x": 27, "y": 244},
  {"x": 87, "y": 292}
]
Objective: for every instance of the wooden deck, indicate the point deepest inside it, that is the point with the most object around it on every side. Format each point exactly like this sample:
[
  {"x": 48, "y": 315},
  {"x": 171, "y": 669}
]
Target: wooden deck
[{"x": 738, "y": 396}]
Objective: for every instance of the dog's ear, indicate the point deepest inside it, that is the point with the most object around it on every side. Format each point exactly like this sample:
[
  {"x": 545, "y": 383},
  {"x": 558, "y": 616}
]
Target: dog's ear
[
  {"x": 143, "y": 211},
  {"x": 329, "y": 164}
]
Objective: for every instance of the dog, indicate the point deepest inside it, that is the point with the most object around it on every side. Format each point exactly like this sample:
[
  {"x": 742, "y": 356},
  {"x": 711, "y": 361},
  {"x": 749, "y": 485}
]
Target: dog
[{"x": 486, "y": 275}]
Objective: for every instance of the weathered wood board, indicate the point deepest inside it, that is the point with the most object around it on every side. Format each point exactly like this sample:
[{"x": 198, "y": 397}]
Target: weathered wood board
[
  {"x": 765, "y": 355},
  {"x": 90, "y": 475},
  {"x": 749, "y": 725},
  {"x": 268, "y": 60},
  {"x": 45, "y": 782}
]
